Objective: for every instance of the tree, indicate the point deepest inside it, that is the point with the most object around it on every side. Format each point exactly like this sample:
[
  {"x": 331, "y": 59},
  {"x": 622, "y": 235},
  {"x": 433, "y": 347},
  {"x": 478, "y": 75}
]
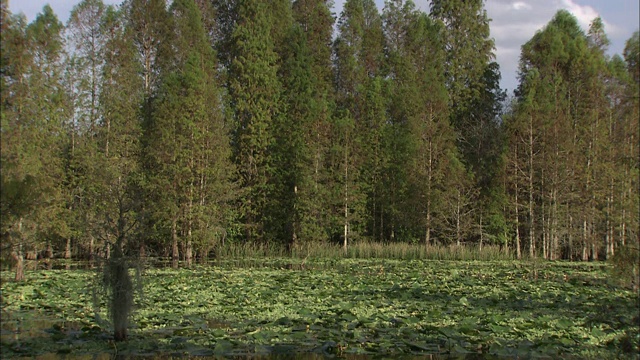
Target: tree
[
  {"x": 187, "y": 144},
  {"x": 560, "y": 138},
  {"x": 475, "y": 96},
  {"x": 358, "y": 58},
  {"x": 33, "y": 109},
  {"x": 118, "y": 172},
  {"x": 87, "y": 38},
  {"x": 255, "y": 95},
  {"x": 430, "y": 181},
  {"x": 316, "y": 23}
]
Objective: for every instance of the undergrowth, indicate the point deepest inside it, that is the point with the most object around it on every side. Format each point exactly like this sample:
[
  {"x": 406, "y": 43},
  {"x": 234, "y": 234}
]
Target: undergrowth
[{"x": 364, "y": 250}]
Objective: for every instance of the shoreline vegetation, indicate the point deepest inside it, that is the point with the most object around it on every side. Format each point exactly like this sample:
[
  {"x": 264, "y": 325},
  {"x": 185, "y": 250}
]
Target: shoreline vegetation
[{"x": 318, "y": 308}]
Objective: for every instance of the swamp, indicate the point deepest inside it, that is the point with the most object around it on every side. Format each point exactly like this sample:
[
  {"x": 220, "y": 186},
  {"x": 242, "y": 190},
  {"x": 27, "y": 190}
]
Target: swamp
[{"x": 349, "y": 308}]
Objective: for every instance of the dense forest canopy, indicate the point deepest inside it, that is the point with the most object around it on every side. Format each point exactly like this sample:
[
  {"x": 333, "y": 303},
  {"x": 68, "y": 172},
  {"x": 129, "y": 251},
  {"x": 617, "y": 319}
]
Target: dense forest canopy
[{"x": 170, "y": 128}]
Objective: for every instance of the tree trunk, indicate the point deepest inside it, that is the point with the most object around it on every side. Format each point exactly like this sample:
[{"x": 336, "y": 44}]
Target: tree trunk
[
  {"x": 91, "y": 248},
  {"x": 67, "y": 249},
  {"x": 585, "y": 255},
  {"x": 346, "y": 198},
  {"x": 49, "y": 251},
  {"x": 189, "y": 253},
  {"x": 18, "y": 257},
  {"x": 517, "y": 217},
  {"x": 427, "y": 237},
  {"x": 458, "y": 229},
  {"x": 532, "y": 237},
  {"x": 174, "y": 243}
]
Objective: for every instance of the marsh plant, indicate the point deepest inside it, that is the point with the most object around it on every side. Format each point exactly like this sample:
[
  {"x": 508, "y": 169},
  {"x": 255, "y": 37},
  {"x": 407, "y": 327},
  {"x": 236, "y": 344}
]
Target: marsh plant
[{"x": 115, "y": 288}]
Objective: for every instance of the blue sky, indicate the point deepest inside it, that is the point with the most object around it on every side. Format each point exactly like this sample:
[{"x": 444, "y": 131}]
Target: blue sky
[{"x": 513, "y": 23}]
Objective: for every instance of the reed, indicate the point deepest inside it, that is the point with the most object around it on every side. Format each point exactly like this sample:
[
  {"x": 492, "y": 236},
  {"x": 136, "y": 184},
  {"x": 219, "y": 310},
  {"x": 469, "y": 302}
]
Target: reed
[{"x": 364, "y": 250}]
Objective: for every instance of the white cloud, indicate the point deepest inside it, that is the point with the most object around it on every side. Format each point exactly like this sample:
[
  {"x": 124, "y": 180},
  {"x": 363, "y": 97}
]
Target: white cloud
[
  {"x": 515, "y": 22},
  {"x": 519, "y": 5},
  {"x": 585, "y": 15}
]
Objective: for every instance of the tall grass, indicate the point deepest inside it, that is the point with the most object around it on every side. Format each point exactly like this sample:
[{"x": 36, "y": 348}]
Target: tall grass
[{"x": 364, "y": 250}]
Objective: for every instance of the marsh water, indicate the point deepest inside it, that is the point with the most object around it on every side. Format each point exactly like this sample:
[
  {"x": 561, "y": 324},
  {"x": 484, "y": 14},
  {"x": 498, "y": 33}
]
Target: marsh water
[
  {"x": 283, "y": 308},
  {"x": 24, "y": 333}
]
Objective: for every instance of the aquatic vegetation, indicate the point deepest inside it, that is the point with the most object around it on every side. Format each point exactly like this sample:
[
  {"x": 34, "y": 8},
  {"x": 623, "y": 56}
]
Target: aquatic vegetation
[{"x": 335, "y": 307}]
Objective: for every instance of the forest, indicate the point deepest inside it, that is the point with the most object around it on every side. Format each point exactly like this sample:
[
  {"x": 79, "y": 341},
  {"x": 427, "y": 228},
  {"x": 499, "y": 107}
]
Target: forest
[{"x": 175, "y": 129}]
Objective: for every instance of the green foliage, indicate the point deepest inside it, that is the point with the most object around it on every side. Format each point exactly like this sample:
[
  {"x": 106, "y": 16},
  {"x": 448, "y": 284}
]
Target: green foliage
[
  {"x": 626, "y": 266},
  {"x": 325, "y": 306},
  {"x": 255, "y": 100},
  {"x": 563, "y": 152},
  {"x": 180, "y": 126}
]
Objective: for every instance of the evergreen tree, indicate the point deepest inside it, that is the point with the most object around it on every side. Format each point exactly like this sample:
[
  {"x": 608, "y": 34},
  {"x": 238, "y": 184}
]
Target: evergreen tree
[
  {"x": 255, "y": 94},
  {"x": 316, "y": 22},
  {"x": 474, "y": 99},
  {"x": 83, "y": 79},
  {"x": 424, "y": 169},
  {"x": 150, "y": 24},
  {"x": 358, "y": 57},
  {"x": 117, "y": 171},
  {"x": 33, "y": 111},
  {"x": 563, "y": 125},
  {"x": 293, "y": 174},
  {"x": 187, "y": 146}
]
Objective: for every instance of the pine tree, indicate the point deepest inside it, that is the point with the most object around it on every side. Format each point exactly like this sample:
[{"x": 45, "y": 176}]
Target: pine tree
[
  {"x": 187, "y": 146},
  {"x": 358, "y": 57},
  {"x": 255, "y": 95},
  {"x": 474, "y": 99},
  {"x": 563, "y": 126},
  {"x": 316, "y": 22},
  {"x": 424, "y": 172},
  {"x": 293, "y": 170},
  {"x": 33, "y": 111}
]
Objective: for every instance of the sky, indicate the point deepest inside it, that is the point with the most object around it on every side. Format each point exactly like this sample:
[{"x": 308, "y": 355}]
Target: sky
[{"x": 513, "y": 22}]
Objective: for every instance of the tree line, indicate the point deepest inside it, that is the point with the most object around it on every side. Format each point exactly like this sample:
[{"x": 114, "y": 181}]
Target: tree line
[{"x": 171, "y": 128}]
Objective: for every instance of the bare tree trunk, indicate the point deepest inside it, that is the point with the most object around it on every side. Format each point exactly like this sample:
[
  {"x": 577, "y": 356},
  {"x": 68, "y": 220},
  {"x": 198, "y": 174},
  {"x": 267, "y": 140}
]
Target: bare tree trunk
[
  {"x": 545, "y": 228},
  {"x": 458, "y": 230},
  {"x": 585, "y": 255},
  {"x": 175, "y": 253},
  {"x": 570, "y": 237},
  {"x": 517, "y": 217},
  {"x": 18, "y": 256},
  {"x": 295, "y": 224},
  {"x": 67, "y": 249},
  {"x": 609, "y": 224},
  {"x": 554, "y": 227},
  {"x": 19, "y": 259},
  {"x": 481, "y": 233},
  {"x": 532, "y": 237},
  {"x": 346, "y": 198},
  {"x": 189, "y": 252},
  {"x": 429, "y": 181},
  {"x": 91, "y": 248}
]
